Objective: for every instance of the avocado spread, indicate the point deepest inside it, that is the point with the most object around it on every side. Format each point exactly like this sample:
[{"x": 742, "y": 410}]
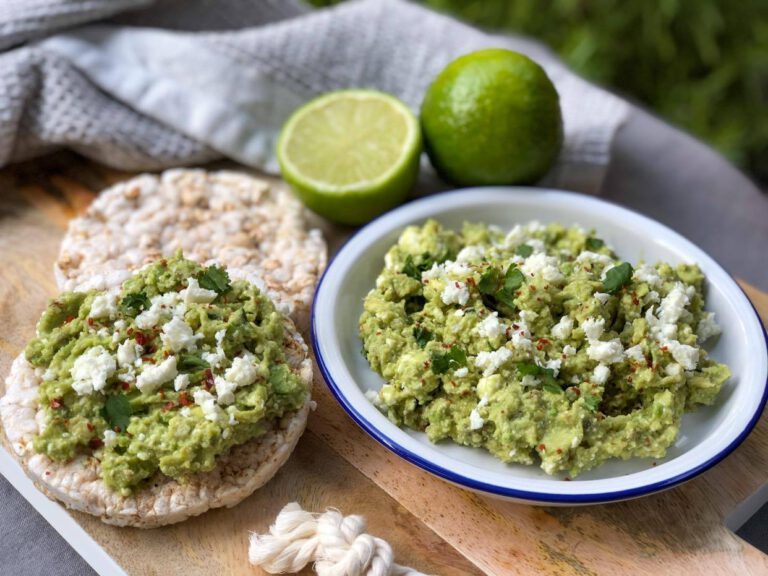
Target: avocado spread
[
  {"x": 165, "y": 375},
  {"x": 538, "y": 344}
]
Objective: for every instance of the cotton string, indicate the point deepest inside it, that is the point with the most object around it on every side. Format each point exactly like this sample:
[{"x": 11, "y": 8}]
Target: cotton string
[{"x": 337, "y": 544}]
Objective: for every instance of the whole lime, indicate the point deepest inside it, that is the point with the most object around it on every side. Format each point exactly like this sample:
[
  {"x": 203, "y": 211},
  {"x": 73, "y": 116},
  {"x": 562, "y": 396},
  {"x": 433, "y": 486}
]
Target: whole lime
[{"x": 492, "y": 117}]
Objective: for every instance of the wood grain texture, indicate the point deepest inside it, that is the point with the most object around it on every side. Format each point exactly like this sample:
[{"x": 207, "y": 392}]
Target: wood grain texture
[{"x": 432, "y": 525}]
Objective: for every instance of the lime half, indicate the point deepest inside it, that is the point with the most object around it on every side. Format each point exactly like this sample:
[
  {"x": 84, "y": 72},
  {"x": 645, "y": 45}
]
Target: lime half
[{"x": 351, "y": 155}]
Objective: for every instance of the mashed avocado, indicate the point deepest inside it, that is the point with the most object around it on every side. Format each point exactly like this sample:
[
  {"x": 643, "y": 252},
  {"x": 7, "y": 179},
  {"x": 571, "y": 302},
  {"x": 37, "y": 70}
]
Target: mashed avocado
[
  {"x": 166, "y": 375},
  {"x": 538, "y": 343}
]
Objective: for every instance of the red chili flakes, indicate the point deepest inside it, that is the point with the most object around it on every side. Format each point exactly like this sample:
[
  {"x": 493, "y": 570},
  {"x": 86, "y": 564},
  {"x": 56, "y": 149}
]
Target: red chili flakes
[
  {"x": 161, "y": 394},
  {"x": 426, "y": 280},
  {"x": 471, "y": 281},
  {"x": 542, "y": 447},
  {"x": 208, "y": 382},
  {"x": 68, "y": 319},
  {"x": 117, "y": 429},
  {"x": 446, "y": 345},
  {"x": 649, "y": 362},
  {"x": 184, "y": 399},
  {"x": 56, "y": 403},
  {"x": 577, "y": 391},
  {"x": 378, "y": 332},
  {"x": 532, "y": 288},
  {"x": 664, "y": 348},
  {"x": 426, "y": 363},
  {"x": 166, "y": 354},
  {"x": 635, "y": 299},
  {"x": 457, "y": 284},
  {"x": 90, "y": 427},
  {"x": 149, "y": 360},
  {"x": 629, "y": 378},
  {"x": 47, "y": 472},
  {"x": 125, "y": 385},
  {"x": 141, "y": 338},
  {"x": 90, "y": 321},
  {"x": 129, "y": 331},
  {"x": 95, "y": 443},
  {"x": 508, "y": 331},
  {"x": 516, "y": 326},
  {"x": 559, "y": 450},
  {"x": 163, "y": 262},
  {"x": 168, "y": 406}
]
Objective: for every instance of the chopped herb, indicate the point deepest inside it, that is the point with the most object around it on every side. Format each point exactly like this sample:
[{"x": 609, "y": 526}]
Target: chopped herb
[
  {"x": 453, "y": 359},
  {"x": 414, "y": 304},
  {"x": 133, "y": 303},
  {"x": 617, "y": 277},
  {"x": 214, "y": 278},
  {"x": 547, "y": 375},
  {"x": 490, "y": 282},
  {"x": 499, "y": 293},
  {"x": 191, "y": 363},
  {"x": 422, "y": 336},
  {"x": 592, "y": 402},
  {"x": 524, "y": 250},
  {"x": 552, "y": 388},
  {"x": 513, "y": 279},
  {"x": 117, "y": 411},
  {"x": 410, "y": 268},
  {"x": 594, "y": 244}
]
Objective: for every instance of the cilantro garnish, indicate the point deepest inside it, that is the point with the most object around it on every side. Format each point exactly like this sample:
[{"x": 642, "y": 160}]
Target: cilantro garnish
[
  {"x": 133, "y": 303},
  {"x": 453, "y": 359},
  {"x": 547, "y": 375},
  {"x": 499, "y": 292},
  {"x": 594, "y": 244},
  {"x": 214, "y": 278},
  {"x": 617, "y": 277},
  {"x": 410, "y": 268},
  {"x": 592, "y": 402},
  {"x": 524, "y": 250},
  {"x": 422, "y": 336},
  {"x": 191, "y": 363},
  {"x": 117, "y": 411}
]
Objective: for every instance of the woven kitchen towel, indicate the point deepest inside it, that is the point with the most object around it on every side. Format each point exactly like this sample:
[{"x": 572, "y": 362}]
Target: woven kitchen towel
[{"x": 145, "y": 96}]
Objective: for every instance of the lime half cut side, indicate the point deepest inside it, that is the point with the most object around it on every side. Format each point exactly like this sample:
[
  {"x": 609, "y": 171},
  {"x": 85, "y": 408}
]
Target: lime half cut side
[{"x": 351, "y": 155}]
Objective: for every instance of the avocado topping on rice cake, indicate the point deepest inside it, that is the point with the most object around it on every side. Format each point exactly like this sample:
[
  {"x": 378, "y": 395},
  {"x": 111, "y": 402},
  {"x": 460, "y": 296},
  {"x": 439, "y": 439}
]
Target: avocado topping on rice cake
[
  {"x": 165, "y": 375},
  {"x": 539, "y": 342}
]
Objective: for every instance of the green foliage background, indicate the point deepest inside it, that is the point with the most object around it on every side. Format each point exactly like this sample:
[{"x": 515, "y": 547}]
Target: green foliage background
[{"x": 702, "y": 64}]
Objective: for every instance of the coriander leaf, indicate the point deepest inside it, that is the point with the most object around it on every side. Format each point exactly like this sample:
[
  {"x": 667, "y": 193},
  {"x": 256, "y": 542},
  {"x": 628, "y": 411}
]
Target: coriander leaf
[
  {"x": 592, "y": 402},
  {"x": 594, "y": 244},
  {"x": 547, "y": 375},
  {"x": 524, "y": 250},
  {"x": 410, "y": 268},
  {"x": 214, "y": 278},
  {"x": 552, "y": 388},
  {"x": 443, "y": 361},
  {"x": 422, "y": 336},
  {"x": 133, "y": 303},
  {"x": 191, "y": 363},
  {"x": 513, "y": 279},
  {"x": 117, "y": 411},
  {"x": 617, "y": 277},
  {"x": 490, "y": 282},
  {"x": 528, "y": 369},
  {"x": 413, "y": 304}
]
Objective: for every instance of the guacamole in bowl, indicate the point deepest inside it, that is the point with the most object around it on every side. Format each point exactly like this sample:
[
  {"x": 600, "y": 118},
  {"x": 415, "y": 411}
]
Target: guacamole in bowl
[{"x": 538, "y": 344}]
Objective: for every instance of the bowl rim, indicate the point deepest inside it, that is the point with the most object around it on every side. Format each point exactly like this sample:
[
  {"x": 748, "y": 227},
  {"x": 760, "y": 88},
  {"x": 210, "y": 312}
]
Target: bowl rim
[{"x": 494, "y": 489}]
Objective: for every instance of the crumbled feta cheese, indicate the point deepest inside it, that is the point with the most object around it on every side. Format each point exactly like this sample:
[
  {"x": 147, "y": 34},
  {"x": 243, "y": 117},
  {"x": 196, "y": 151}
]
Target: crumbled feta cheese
[
  {"x": 185, "y": 411},
  {"x": 120, "y": 324},
  {"x": 515, "y": 236},
  {"x": 154, "y": 376},
  {"x": 589, "y": 257},
  {"x": 225, "y": 433},
  {"x": 554, "y": 365},
  {"x": 707, "y": 327},
  {"x": 181, "y": 382},
  {"x": 461, "y": 372},
  {"x": 569, "y": 350},
  {"x": 243, "y": 372},
  {"x": 673, "y": 305},
  {"x": 225, "y": 390},
  {"x": 470, "y": 254},
  {"x": 652, "y": 296},
  {"x": 600, "y": 374},
  {"x": 207, "y": 402},
  {"x": 687, "y": 356},
  {"x": 459, "y": 312},
  {"x": 608, "y": 352},
  {"x": 91, "y": 370},
  {"x": 373, "y": 397},
  {"x": 455, "y": 292},
  {"x": 593, "y": 327},
  {"x": 194, "y": 294},
  {"x": 602, "y": 297},
  {"x": 635, "y": 353},
  {"x": 232, "y": 420},
  {"x": 128, "y": 375},
  {"x": 162, "y": 305},
  {"x": 110, "y": 437},
  {"x": 529, "y": 380},
  {"x": 648, "y": 274},
  {"x": 103, "y": 306},
  {"x": 456, "y": 269},
  {"x": 490, "y": 362},
  {"x": 475, "y": 420},
  {"x": 544, "y": 265},
  {"x": 673, "y": 369},
  {"x": 128, "y": 352},
  {"x": 432, "y": 273},
  {"x": 178, "y": 335},
  {"x": 562, "y": 330},
  {"x": 49, "y": 374},
  {"x": 490, "y": 327}
]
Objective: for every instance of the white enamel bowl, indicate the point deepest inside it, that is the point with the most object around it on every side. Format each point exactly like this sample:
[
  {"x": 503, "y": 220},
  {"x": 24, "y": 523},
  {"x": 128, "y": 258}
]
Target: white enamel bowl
[{"x": 706, "y": 436}]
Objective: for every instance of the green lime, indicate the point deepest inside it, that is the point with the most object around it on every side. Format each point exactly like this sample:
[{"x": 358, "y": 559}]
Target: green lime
[
  {"x": 492, "y": 117},
  {"x": 351, "y": 155}
]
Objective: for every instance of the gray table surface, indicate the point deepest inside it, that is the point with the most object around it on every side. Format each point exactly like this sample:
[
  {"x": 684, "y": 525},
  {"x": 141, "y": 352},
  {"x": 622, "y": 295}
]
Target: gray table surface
[{"x": 656, "y": 170}]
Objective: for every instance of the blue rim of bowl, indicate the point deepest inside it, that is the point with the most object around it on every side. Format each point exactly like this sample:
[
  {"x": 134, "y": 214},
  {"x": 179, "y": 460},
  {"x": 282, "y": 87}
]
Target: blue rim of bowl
[{"x": 479, "y": 485}]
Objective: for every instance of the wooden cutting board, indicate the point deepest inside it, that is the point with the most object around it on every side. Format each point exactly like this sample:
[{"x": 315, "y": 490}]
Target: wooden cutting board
[{"x": 433, "y": 526}]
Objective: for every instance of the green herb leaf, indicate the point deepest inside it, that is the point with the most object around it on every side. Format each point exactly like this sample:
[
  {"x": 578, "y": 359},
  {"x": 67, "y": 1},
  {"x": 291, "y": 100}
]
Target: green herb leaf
[
  {"x": 191, "y": 363},
  {"x": 499, "y": 293},
  {"x": 410, "y": 268},
  {"x": 133, "y": 303},
  {"x": 547, "y": 375},
  {"x": 453, "y": 359},
  {"x": 528, "y": 369},
  {"x": 513, "y": 279},
  {"x": 552, "y": 388},
  {"x": 617, "y": 277},
  {"x": 524, "y": 250},
  {"x": 422, "y": 336},
  {"x": 593, "y": 244},
  {"x": 490, "y": 282},
  {"x": 413, "y": 304},
  {"x": 592, "y": 402},
  {"x": 117, "y": 411},
  {"x": 214, "y": 278}
]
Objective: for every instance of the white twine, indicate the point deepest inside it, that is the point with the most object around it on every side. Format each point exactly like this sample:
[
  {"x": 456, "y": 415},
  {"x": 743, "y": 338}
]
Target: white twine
[{"x": 337, "y": 544}]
